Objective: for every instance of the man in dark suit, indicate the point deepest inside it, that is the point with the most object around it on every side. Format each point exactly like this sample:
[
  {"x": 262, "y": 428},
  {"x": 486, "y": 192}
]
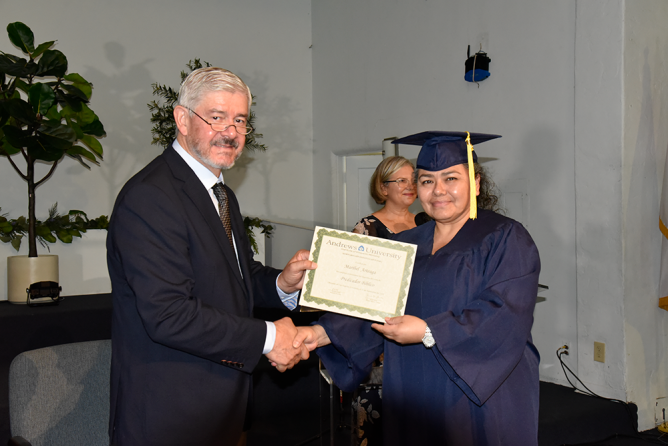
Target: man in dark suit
[{"x": 183, "y": 334}]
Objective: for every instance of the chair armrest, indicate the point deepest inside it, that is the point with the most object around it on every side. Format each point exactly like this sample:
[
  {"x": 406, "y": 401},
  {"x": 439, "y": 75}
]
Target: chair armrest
[{"x": 18, "y": 441}]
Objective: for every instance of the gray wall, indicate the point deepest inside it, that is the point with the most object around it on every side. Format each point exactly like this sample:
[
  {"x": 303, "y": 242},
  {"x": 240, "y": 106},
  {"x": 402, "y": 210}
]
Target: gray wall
[{"x": 598, "y": 161}]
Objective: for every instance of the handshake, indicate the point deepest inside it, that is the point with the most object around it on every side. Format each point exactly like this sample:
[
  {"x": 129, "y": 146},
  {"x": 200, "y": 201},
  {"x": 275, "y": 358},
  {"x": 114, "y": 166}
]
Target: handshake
[{"x": 294, "y": 344}]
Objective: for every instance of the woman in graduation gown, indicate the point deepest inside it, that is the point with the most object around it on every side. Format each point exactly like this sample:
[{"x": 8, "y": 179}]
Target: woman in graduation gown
[{"x": 460, "y": 366}]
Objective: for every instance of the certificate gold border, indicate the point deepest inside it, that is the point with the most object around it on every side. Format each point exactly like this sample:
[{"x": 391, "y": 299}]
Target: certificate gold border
[{"x": 308, "y": 300}]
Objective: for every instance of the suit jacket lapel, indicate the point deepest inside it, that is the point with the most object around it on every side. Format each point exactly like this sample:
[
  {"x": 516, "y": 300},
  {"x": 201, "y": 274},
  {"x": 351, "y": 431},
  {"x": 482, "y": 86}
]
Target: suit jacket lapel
[{"x": 193, "y": 189}]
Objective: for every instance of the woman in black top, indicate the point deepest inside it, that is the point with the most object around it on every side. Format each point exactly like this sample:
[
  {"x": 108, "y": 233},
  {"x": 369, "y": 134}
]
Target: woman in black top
[{"x": 393, "y": 186}]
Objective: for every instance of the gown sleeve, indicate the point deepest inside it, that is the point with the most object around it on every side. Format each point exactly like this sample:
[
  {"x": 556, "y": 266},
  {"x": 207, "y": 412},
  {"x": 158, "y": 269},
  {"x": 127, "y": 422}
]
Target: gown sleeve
[
  {"x": 480, "y": 346},
  {"x": 354, "y": 348}
]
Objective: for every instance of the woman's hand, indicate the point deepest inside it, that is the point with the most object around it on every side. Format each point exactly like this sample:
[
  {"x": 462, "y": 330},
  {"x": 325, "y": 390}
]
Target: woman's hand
[
  {"x": 402, "y": 329},
  {"x": 312, "y": 337}
]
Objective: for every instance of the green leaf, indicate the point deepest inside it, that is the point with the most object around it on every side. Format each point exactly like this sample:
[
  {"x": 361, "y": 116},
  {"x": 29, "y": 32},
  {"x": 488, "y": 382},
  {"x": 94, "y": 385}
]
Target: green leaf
[
  {"x": 41, "y": 97},
  {"x": 53, "y": 115},
  {"x": 21, "y": 36},
  {"x": 6, "y": 148},
  {"x": 18, "y": 138},
  {"x": 16, "y": 242},
  {"x": 19, "y": 67},
  {"x": 78, "y": 150},
  {"x": 21, "y": 111},
  {"x": 49, "y": 238},
  {"x": 74, "y": 91},
  {"x": 10, "y": 67},
  {"x": 68, "y": 113},
  {"x": 52, "y": 63},
  {"x": 59, "y": 130},
  {"x": 48, "y": 148},
  {"x": 101, "y": 222},
  {"x": 72, "y": 102},
  {"x": 21, "y": 85},
  {"x": 64, "y": 227},
  {"x": 79, "y": 158},
  {"x": 6, "y": 227},
  {"x": 75, "y": 78},
  {"x": 75, "y": 126},
  {"x": 4, "y": 115},
  {"x": 93, "y": 144},
  {"x": 83, "y": 116},
  {"x": 64, "y": 236},
  {"x": 42, "y": 230},
  {"x": 41, "y": 48},
  {"x": 81, "y": 83},
  {"x": 54, "y": 143},
  {"x": 95, "y": 128}
]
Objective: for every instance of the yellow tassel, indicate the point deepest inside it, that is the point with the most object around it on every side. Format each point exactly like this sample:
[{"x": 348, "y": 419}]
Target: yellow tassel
[{"x": 474, "y": 202}]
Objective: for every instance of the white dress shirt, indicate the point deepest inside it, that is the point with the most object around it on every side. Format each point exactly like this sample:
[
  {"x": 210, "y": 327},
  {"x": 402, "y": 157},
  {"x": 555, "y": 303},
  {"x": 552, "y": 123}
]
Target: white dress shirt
[{"x": 208, "y": 179}]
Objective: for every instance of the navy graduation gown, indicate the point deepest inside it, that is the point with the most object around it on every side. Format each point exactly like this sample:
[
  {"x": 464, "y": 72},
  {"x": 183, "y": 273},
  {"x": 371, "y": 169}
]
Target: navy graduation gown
[{"x": 479, "y": 384}]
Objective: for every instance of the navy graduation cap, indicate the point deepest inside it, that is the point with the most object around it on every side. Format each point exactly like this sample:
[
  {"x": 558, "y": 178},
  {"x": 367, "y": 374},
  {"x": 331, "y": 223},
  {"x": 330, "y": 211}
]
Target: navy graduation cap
[{"x": 441, "y": 150}]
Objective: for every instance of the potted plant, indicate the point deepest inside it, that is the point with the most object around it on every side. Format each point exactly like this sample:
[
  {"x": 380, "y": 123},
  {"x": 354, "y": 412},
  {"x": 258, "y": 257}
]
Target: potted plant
[
  {"x": 164, "y": 133},
  {"x": 44, "y": 116}
]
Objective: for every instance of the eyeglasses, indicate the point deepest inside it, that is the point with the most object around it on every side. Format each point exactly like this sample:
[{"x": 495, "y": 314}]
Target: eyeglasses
[
  {"x": 401, "y": 182},
  {"x": 241, "y": 127}
]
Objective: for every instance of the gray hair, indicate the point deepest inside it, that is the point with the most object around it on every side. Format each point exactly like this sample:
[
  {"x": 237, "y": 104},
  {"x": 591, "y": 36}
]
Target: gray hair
[{"x": 208, "y": 79}]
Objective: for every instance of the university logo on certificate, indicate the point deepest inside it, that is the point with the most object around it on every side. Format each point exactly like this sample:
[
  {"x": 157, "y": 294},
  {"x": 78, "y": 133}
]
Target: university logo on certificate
[{"x": 358, "y": 275}]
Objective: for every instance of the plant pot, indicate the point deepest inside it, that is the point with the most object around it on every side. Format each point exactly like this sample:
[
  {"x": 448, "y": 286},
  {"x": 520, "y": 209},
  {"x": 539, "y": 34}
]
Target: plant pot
[{"x": 23, "y": 271}]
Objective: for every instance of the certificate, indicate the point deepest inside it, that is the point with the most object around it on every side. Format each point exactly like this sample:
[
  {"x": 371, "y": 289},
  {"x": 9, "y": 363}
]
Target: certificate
[{"x": 358, "y": 275}]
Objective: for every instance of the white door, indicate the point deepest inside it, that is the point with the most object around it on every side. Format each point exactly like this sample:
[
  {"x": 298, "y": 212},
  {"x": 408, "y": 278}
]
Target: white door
[{"x": 358, "y": 171}]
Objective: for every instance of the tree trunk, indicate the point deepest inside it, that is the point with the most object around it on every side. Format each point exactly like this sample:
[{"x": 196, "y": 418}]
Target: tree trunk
[{"x": 32, "y": 240}]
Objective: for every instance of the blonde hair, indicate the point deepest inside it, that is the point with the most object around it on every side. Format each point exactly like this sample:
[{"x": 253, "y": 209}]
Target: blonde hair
[
  {"x": 208, "y": 79},
  {"x": 386, "y": 168}
]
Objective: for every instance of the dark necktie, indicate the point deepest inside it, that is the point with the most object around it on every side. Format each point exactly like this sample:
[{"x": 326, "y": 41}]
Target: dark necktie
[{"x": 224, "y": 209}]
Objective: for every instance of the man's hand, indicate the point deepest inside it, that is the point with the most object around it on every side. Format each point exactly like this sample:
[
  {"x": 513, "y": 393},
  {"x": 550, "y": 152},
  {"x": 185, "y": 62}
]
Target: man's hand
[
  {"x": 292, "y": 277},
  {"x": 311, "y": 337},
  {"x": 402, "y": 329},
  {"x": 284, "y": 356}
]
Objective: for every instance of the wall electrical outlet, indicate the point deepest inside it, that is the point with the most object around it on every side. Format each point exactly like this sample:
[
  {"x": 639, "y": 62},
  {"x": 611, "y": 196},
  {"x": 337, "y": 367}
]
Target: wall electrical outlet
[
  {"x": 599, "y": 351},
  {"x": 661, "y": 411}
]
